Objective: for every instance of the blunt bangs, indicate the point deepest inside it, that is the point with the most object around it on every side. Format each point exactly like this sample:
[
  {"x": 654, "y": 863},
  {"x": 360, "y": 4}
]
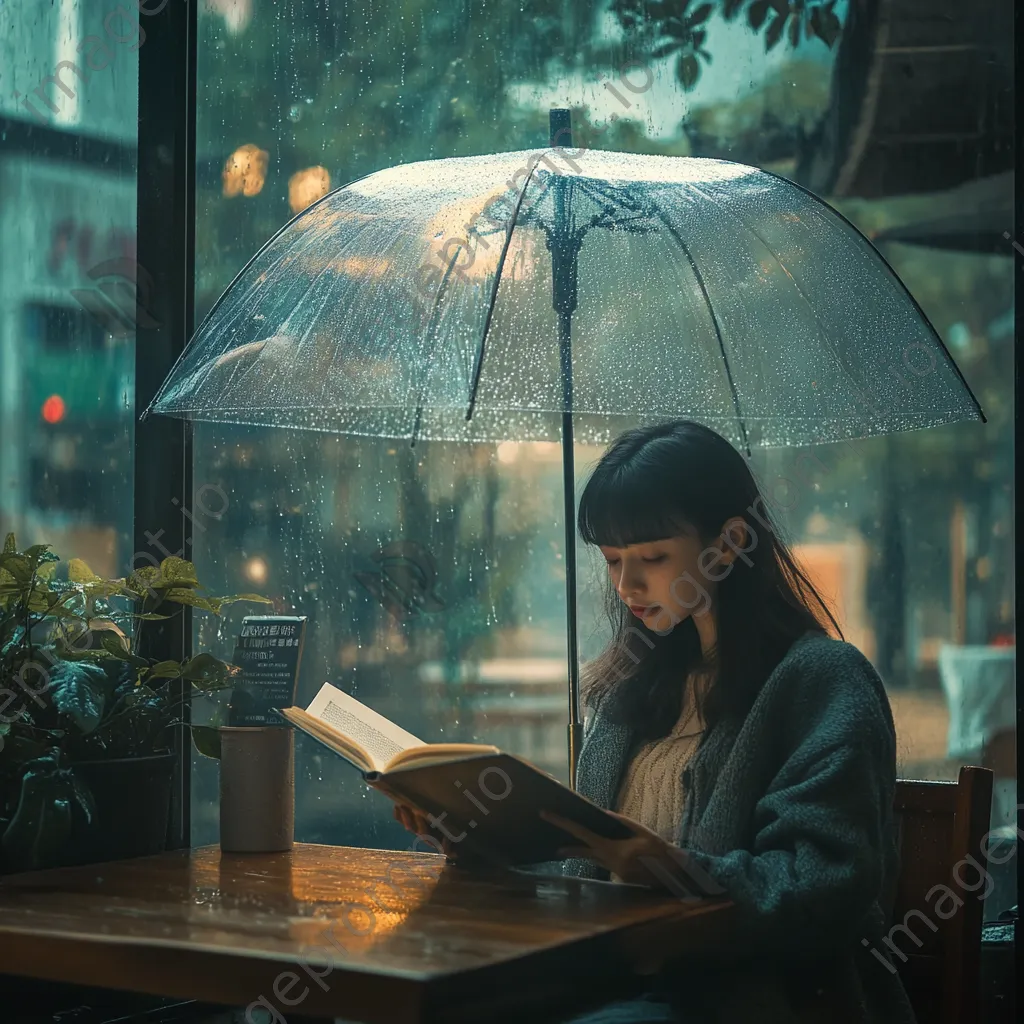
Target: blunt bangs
[{"x": 623, "y": 505}]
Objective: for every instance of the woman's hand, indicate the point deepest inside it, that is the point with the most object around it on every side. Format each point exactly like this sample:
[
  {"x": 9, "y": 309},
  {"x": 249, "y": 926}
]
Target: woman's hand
[
  {"x": 644, "y": 858},
  {"x": 417, "y": 823}
]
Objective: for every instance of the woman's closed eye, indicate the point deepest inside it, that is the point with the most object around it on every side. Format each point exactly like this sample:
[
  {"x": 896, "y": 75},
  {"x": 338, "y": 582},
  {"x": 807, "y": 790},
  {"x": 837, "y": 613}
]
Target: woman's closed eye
[{"x": 650, "y": 560}]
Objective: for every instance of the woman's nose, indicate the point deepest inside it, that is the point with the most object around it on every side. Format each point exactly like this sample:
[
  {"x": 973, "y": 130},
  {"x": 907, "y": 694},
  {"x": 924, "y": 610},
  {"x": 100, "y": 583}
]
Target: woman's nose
[{"x": 631, "y": 581}]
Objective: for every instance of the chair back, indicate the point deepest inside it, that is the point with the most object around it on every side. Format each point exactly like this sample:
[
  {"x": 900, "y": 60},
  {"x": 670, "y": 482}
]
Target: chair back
[{"x": 935, "y": 933}]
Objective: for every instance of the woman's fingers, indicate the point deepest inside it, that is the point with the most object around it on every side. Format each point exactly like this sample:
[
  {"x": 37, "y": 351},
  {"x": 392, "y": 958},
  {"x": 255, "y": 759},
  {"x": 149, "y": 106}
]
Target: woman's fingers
[
  {"x": 411, "y": 819},
  {"x": 416, "y": 822},
  {"x": 419, "y": 825}
]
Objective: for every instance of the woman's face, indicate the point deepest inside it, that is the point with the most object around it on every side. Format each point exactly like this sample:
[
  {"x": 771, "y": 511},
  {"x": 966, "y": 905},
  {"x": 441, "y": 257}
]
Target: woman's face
[{"x": 663, "y": 582}]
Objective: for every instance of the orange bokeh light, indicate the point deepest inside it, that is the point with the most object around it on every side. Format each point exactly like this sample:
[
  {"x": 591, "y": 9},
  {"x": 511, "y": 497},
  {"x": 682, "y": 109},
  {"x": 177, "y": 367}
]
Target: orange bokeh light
[
  {"x": 307, "y": 186},
  {"x": 54, "y": 409},
  {"x": 245, "y": 171}
]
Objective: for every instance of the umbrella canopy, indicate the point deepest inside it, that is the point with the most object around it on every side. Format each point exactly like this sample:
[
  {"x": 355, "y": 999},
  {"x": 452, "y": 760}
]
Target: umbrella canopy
[
  {"x": 547, "y": 296},
  {"x": 423, "y": 301}
]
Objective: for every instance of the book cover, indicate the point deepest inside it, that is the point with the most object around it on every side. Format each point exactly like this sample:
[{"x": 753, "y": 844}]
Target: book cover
[{"x": 475, "y": 794}]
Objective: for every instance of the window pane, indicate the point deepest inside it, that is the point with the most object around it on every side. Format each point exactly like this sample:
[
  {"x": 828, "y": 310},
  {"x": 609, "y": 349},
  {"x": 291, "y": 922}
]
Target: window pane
[
  {"x": 461, "y": 634},
  {"x": 67, "y": 277}
]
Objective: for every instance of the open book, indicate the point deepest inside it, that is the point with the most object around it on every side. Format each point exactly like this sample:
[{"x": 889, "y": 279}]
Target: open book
[
  {"x": 472, "y": 793},
  {"x": 369, "y": 740}
]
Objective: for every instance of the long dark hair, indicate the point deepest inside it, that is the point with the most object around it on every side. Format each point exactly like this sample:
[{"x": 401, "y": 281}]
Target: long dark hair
[{"x": 672, "y": 479}]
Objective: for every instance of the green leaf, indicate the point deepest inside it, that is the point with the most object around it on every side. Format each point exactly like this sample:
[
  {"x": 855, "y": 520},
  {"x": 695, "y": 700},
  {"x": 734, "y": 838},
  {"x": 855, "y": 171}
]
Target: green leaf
[
  {"x": 246, "y": 597},
  {"x": 774, "y": 33},
  {"x": 106, "y": 588},
  {"x": 79, "y": 572},
  {"x": 829, "y": 27},
  {"x": 46, "y": 570},
  {"x": 65, "y": 614},
  {"x": 108, "y": 628},
  {"x": 151, "y": 617},
  {"x": 679, "y": 30},
  {"x": 36, "y": 551},
  {"x": 757, "y": 12},
  {"x": 688, "y": 70},
  {"x": 794, "y": 32},
  {"x": 83, "y": 797},
  {"x": 42, "y": 602},
  {"x": 144, "y": 580},
  {"x": 142, "y": 695},
  {"x": 68, "y": 652},
  {"x": 79, "y": 690},
  {"x": 207, "y": 740},
  {"x": 701, "y": 15},
  {"x": 20, "y": 567},
  {"x": 184, "y": 596},
  {"x": 179, "y": 573},
  {"x": 204, "y": 668},
  {"x": 164, "y": 670},
  {"x": 113, "y": 646},
  {"x": 665, "y": 49}
]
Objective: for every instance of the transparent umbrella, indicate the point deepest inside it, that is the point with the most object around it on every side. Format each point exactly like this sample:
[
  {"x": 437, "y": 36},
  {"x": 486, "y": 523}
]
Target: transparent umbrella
[{"x": 558, "y": 294}]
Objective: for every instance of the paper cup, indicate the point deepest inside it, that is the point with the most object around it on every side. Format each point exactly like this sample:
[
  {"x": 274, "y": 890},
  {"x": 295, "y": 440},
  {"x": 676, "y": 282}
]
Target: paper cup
[{"x": 257, "y": 789}]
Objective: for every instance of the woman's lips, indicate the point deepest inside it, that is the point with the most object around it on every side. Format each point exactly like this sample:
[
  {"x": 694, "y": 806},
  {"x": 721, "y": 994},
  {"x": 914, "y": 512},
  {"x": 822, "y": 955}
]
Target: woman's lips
[{"x": 639, "y": 610}]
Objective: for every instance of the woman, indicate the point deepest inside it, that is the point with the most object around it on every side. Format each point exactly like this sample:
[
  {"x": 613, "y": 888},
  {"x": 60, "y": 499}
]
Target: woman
[{"x": 748, "y": 750}]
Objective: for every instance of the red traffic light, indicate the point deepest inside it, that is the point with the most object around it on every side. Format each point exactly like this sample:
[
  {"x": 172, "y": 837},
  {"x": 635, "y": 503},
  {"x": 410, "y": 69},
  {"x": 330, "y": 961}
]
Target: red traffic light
[{"x": 54, "y": 409}]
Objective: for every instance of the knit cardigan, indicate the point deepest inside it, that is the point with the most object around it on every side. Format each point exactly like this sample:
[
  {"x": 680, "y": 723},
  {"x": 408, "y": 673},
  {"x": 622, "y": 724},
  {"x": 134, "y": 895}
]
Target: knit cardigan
[{"x": 790, "y": 811}]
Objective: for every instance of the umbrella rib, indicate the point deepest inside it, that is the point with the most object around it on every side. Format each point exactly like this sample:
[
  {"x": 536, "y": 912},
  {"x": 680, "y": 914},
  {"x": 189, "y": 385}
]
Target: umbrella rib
[
  {"x": 896, "y": 278},
  {"x": 494, "y": 295},
  {"x": 238, "y": 277},
  {"x": 276, "y": 373},
  {"x": 782, "y": 266},
  {"x": 430, "y": 332},
  {"x": 659, "y": 213}
]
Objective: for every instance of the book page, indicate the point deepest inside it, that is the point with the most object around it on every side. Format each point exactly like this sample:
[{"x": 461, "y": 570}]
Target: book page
[
  {"x": 438, "y": 753},
  {"x": 375, "y": 734},
  {"x": 329, "y": 736}
]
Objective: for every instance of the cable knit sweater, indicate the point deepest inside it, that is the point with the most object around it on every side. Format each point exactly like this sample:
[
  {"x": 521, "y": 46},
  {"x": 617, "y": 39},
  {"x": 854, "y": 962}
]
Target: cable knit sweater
[
  {"x": 650, "y": 792},
  {"x": 790, "y": 811}
]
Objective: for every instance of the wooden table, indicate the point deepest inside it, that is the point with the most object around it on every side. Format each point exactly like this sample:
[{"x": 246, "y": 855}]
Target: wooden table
[{"x": 367, "y": 935}]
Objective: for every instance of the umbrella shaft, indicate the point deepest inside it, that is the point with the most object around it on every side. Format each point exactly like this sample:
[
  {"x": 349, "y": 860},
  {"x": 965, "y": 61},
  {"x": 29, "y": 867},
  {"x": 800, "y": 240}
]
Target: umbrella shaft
[
  {"x": 565, "y": 246},
  {"x": 568, "y": 489},
  {"x": 565, "y": 362}
]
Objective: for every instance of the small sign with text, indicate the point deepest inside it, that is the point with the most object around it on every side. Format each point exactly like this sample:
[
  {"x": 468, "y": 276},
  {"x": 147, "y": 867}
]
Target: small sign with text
[{"x": 269, "y": 653}]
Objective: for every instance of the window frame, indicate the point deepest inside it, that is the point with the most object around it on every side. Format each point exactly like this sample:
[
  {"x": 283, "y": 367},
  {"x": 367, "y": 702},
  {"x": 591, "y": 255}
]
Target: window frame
[{"x": 166, "y": 176}]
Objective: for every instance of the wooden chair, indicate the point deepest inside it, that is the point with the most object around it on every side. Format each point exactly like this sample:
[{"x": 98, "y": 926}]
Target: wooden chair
[{"x": 940, "y": 825}]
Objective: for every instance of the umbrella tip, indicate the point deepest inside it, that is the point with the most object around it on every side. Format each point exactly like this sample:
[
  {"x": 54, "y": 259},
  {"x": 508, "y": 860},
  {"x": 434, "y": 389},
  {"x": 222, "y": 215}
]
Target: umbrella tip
[{"x": 560, "y": 128}]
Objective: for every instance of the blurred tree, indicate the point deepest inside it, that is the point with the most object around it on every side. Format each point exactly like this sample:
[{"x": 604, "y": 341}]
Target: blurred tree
[
  {"x": 679, "y": 28},
  {"x": 766, "y": 125},
  {"x": 353, "y": 88}
]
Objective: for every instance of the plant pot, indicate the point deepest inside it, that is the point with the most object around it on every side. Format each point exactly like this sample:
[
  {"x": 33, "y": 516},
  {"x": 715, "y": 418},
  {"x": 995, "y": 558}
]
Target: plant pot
[{"x": 133, "y": 804}]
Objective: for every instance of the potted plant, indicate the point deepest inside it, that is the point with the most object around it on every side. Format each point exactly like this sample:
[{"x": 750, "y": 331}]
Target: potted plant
[{"x": 86, "y": 720}]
